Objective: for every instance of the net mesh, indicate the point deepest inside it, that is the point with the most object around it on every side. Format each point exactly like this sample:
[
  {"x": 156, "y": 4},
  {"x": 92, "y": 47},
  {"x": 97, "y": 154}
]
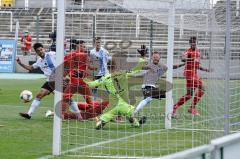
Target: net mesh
[{"x": 123, "y": 26}]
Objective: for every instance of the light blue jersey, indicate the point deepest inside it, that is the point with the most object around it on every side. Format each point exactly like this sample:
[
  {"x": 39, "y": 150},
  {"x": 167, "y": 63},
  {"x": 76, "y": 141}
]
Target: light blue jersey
[{"x": 102, "y": 57}]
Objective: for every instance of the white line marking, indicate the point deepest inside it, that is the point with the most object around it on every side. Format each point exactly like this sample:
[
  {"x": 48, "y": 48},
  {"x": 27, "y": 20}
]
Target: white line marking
[
  {"x": 20, "y": 106},
  {"x": 210, "y": 130},
  {"x": 100, "y": 143}
]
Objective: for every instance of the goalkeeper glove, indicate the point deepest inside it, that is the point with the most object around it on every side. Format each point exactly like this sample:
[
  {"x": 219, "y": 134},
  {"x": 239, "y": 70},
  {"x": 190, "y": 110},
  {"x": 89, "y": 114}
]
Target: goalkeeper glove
[{"x": 143, "y": 50}]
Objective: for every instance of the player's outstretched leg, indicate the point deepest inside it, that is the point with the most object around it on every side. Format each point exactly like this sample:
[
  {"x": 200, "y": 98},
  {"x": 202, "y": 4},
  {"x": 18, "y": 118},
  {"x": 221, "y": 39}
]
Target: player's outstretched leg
[
  {"x": 142, "y": 104},
  {"x": 35, "y": 103},
  {"x": 142, "y": 120},
  {"x": 106, "y": 117},
  {"x": 33, "y": 107},
  {"x": 137, "y": 123},
  {"x": 100, "y": 124},
  {"x": 197, "y": 97},
  {"x": 181, "y": 101},
  {"x": 134, "y": 121}
]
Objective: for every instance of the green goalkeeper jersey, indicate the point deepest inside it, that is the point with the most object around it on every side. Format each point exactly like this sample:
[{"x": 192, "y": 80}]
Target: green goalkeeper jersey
[{"x": 116, "y": 84}]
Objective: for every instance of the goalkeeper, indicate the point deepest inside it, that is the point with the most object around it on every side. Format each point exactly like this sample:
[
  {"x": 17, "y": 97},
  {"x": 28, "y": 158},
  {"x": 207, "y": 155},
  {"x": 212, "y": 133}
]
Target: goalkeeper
[{"x": 116, "y": 85}]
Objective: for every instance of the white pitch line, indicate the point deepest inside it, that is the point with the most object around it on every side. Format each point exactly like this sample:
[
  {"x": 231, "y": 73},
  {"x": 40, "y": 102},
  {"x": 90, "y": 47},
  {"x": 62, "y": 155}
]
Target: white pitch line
[
  {"x": 210, "y": 130},
  {"x": 110, "y": 141},
  {"x": 100, "y": 143},
  {"x": 19, "y": 106}
]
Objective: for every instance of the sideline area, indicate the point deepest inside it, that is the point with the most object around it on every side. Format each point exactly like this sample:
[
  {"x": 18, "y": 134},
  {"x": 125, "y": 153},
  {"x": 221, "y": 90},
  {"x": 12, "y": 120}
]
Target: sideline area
[{"x": 21, "y": 76}]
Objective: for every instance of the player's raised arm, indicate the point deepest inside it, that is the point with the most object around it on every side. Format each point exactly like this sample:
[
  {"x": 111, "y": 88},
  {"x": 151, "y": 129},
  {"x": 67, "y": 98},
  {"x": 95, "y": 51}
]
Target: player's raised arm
[
  {"x": 142, "y": 51},
  {"x": 137, "y": 68},
  {"x": 178, "y": 65},
  {"x": 141, "y": 63},
  {"x": 163, "y": 67},
  {"x": 27, "y": 67},
  {"x": 94, "y": 83}
]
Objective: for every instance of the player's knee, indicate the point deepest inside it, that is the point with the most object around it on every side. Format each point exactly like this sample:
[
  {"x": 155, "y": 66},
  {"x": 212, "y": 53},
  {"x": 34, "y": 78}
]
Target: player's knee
[
  {"x": 201, "y": 88},
  {"x": 189, "y": 93},
  {"x": 148, "y": 99},
  {"x": 42, "y": 94}
]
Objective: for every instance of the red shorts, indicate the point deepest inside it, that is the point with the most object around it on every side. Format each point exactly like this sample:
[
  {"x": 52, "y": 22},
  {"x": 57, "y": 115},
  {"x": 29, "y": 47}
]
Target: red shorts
[
  {"x": 23, "y": 48},
  {"x": 193, "y": 82},
  {"x": 87, "y": 111},
  {"x": 91, "y": 112},
  {"x": 72, "y": 89}
]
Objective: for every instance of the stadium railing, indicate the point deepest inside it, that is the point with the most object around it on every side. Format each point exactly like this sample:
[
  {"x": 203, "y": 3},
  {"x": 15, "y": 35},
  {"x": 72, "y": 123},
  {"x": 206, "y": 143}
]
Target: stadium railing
[
  {"x": 226, "y": 147},
  {"x": 196, "y": 153}
]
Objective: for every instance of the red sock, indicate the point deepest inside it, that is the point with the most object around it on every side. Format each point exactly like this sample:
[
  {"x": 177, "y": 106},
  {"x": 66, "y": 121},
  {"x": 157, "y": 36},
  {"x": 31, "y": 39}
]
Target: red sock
[
  {"x": 197, "y": 96},
  {"x": 182, "y": 100}
]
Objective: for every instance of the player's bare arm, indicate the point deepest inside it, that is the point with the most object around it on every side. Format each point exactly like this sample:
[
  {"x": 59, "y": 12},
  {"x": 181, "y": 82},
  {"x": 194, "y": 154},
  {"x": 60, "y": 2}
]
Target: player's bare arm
[
  {"x": 204, "y": 69},
  {"x": 27, "y": 67},
  {"x": 28, "y": 42},
  {"x": 178, "y": 65},
  {"x": 164, "y": 67}
]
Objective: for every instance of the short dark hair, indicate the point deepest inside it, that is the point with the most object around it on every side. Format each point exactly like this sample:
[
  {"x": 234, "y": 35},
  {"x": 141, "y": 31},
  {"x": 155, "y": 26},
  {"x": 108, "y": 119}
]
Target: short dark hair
[
  {"x": 155, "y": 52},
  {"x": 97, "y": 38},
  {"x": 37, "y": 45},
  {"x": 192, "y": 39}
]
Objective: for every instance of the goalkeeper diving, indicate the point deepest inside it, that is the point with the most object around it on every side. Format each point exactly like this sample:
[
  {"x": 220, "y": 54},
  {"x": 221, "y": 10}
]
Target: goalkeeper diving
[{"x": 116, "y": 84}]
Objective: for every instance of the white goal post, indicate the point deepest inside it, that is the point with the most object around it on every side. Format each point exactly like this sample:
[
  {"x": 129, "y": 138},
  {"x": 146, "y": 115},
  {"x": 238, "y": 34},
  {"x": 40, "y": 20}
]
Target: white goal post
[
  {"x": 171, "y": 26},
  {"x": 58, "y": 78}
]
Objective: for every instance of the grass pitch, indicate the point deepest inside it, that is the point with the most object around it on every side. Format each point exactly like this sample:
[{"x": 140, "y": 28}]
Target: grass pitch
[{"x": 21, "y": 138}]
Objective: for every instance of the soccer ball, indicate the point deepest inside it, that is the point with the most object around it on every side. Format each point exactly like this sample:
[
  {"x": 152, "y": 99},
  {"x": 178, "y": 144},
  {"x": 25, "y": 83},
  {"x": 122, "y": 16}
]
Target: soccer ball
[{"x": 26, "y": 96}]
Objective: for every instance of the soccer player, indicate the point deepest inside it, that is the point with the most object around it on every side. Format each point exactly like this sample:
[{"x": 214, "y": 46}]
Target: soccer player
[
  {"x": 87, "y": 111},
  {"x": 149, "y": 88},
  {"x": 76, "y": 64},
  {"x": 193, "y": 82},
  {"x": 117, "y": 86},
  {"x": 102, "y": 56},
  {"x": 46, "y": 62}
]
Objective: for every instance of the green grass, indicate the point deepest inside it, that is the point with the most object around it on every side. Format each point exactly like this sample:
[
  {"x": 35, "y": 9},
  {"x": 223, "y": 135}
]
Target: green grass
[{"x": 22, "y": 139}]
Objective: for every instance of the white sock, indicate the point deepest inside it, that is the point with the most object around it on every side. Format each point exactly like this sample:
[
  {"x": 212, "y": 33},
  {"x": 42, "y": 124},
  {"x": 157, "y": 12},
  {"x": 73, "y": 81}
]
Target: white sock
[
  {"x": 74, "y": 106},
  {"x": 35, "y": 103},
  {"x": 75, "y": 109},
  {"x": 142, "y": 104}
]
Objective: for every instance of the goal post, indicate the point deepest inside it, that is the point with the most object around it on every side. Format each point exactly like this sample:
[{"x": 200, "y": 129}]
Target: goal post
[
  {"x": 169, "y": 78},
  {"x": 123, "y": 30},
  {"x": 58, "y": 78}
]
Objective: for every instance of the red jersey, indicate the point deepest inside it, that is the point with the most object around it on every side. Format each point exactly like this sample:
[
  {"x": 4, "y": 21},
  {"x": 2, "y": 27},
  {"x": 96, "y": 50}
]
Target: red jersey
[
  {"x": 192, "y": 62},
  {"x": 75, "y": 63},
  {"x": 29, "y": 39}
]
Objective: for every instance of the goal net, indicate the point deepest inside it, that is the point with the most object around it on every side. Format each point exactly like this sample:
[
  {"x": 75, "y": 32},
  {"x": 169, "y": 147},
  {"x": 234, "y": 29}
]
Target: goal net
[{"x": 124, "y": 26}]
